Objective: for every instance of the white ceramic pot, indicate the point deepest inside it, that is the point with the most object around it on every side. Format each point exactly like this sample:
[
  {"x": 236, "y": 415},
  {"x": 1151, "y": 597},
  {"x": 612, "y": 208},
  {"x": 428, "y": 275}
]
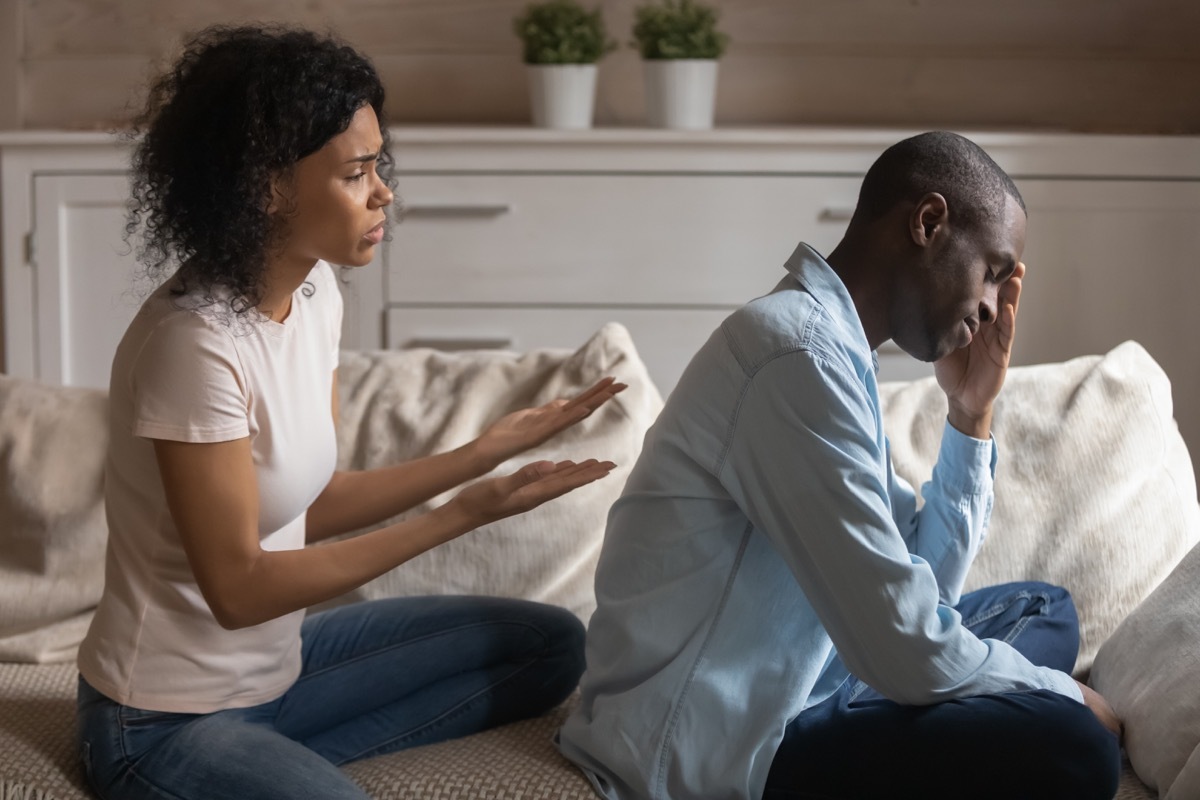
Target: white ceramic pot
[
  {"x": 681, "y": 93},
  {"x": 562, "y": 95}
]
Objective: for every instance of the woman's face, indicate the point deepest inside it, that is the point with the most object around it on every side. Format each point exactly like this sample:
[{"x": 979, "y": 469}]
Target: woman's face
[{"x": 333, "y": 206}]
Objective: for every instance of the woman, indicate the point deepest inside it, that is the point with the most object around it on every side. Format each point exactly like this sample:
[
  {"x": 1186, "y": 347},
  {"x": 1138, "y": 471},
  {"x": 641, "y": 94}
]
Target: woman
[{"x": 264, "y": 158}]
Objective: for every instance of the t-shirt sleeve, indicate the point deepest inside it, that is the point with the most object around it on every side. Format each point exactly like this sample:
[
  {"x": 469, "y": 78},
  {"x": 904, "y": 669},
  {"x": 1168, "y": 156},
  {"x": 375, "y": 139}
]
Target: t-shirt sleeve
[{"x": 187, "y": 384}]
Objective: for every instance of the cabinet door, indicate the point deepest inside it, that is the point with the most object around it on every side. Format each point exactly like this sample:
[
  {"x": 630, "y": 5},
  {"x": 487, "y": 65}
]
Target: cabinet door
[
  {"x": 1110, "y": 261},
  {"x": 83, "y": 276}
]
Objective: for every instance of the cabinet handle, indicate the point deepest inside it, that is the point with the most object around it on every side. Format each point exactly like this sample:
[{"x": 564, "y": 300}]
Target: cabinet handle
[
  {"x": 455, "y": 209},
  {"x": 835, "y": 214},
  {"x": 453, "y": 344}
]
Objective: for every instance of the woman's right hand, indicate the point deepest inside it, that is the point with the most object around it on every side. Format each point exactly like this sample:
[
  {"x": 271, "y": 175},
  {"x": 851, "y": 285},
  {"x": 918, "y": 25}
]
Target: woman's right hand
[{"x": 496, "y": 498}]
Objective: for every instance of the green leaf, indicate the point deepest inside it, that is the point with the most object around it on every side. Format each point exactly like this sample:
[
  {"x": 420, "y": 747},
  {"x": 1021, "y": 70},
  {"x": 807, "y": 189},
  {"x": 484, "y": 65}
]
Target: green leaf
[
  {"x": 562, "y": 32},
  {"x": 678, "y": 29}
]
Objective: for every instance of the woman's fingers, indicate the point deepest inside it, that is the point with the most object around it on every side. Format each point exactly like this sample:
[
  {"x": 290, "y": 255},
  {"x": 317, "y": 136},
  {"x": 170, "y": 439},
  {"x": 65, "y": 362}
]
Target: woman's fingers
[
  {"x": 545, "y": 480},
  {"x": 595, "y": 389},
  {"x": 597, "y": 395}
]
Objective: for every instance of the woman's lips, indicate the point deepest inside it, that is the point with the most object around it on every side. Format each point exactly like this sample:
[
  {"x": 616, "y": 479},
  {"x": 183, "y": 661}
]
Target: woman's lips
[{"x": 375, "y": 235}]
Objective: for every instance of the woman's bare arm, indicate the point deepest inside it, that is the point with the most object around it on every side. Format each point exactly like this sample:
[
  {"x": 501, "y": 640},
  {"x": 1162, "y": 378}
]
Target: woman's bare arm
[
  {"x": 212, "y": 494},
  {"x": 355, "y": 500}
]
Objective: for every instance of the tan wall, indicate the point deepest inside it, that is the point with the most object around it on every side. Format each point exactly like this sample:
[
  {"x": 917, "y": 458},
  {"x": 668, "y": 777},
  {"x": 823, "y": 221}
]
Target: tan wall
[{"x": 1086, "y": 65}]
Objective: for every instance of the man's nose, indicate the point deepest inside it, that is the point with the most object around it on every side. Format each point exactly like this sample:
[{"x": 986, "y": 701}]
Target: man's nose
[{"x": 987, "y": 304}]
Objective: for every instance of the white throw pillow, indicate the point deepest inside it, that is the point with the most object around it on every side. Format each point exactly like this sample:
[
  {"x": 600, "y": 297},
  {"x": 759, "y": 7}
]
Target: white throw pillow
[
  {"x": 1149, "y": 670},
  {"x": 398, "y": 405},
  {"x": 1094, "y": 485},
  {"x": 53, "y": 441}
]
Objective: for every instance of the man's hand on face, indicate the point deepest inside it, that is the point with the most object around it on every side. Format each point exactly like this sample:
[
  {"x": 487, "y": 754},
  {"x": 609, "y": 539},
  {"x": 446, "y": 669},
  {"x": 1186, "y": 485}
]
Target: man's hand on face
[{"x": 972, "y": 376}]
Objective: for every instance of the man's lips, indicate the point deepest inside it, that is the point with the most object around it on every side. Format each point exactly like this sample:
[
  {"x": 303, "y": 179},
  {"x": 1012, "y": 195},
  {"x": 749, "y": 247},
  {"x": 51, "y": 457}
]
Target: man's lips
[{"x": 969, "y": 329}]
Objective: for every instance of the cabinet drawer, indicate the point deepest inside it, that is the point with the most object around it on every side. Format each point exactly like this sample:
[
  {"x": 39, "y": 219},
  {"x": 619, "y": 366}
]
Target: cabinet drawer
[
  {"x": 666, "y": 339},
  {"x": 607, "y": 239}
]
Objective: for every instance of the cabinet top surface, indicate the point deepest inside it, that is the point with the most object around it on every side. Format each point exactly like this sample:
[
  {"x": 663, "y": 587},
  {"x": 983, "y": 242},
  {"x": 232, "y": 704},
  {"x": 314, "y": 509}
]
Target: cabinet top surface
[
  {"x": 518, "y": 134},
  {"x": 759, "y": 149}
]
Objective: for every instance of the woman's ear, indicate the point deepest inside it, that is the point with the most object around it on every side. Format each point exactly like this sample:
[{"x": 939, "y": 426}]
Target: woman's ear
[
  {"x": 928, "y": 219},
  {"x": 281, "y": 197}
]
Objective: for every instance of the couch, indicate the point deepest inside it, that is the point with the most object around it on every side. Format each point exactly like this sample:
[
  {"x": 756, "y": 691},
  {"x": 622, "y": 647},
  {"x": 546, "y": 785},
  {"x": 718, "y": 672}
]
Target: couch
[{"x": 1095, "y": 492}]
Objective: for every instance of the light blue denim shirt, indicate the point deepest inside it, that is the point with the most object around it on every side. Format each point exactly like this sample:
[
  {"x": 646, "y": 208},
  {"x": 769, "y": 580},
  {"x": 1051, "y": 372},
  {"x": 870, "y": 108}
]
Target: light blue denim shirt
[{"x": 762, "y": 542}]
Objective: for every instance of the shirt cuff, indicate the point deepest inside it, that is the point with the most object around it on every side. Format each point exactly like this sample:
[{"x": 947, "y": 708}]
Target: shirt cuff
[
  {"x": 1065, "y": 685},
  {"x": 966, "y": 464}
]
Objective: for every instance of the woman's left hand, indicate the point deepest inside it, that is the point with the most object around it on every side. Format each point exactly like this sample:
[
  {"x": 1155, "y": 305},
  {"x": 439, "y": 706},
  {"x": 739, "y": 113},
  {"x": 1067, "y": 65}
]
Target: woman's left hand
[{"x": 530, "y": 427}]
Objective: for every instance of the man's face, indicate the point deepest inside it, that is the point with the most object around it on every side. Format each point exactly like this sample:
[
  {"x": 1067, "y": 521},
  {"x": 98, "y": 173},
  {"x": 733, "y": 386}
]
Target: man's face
[{"x": 941, "y": 303}]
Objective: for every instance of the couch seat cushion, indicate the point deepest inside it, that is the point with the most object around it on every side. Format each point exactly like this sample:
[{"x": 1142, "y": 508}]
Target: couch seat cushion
[{"x": 516, "y": 762}]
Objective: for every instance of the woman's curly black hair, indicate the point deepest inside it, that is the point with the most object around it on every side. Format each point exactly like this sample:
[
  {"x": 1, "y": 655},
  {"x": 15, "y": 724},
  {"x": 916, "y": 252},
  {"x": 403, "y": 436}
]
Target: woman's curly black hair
[{"x": 239, "y": 108}]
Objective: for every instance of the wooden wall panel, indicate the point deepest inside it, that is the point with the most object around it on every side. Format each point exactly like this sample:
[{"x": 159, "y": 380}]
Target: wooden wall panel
[
  {"x": 1088, "y": 65},
  {"x": 84, "y": 93},
  {"x": 979, "y": 27},
  {"x": 10, "y": 64}
]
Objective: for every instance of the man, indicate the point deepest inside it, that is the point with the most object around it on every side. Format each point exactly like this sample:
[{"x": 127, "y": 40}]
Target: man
[{"x": 776, "y": 618}]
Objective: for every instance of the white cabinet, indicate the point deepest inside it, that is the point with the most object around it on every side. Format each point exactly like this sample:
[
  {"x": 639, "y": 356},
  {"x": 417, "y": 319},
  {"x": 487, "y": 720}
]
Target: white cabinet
[
  {"x": 71, "y": 283},
  {"x": 520, "y": 238},
  {"x": 83, "y": 272},
  {"x": 521, "y": 260},
  {"x": 512, "y": 255},
  {"x": 676, "y": 240},
  {"x": 1112, "y": 260}
]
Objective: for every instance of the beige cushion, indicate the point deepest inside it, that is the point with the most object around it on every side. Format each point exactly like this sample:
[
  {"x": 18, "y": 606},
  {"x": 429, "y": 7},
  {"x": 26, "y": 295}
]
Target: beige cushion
[
  {"x": 397, "y": 405},
  {"x": 1094, "y": 486},
  {"x": 1149, "y": 669},
  {"x": 52, "y": 528}
]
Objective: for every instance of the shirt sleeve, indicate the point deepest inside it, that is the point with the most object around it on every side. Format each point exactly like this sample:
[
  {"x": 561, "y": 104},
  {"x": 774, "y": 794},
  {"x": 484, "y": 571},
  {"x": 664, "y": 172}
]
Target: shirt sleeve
[
  {"x": 808, "y": 465},
  {"x": 950, "y": 527},
  {"x": 187, "y": 384}
]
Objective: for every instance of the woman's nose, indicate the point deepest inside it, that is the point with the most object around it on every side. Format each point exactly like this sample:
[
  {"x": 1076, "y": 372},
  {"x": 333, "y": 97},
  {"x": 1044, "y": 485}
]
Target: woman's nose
[{"x": 383, "y": 196}]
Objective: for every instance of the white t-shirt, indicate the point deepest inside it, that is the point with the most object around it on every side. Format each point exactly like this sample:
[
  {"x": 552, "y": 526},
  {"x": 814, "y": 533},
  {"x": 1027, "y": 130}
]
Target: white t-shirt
[{"x": 185, "y": 373}]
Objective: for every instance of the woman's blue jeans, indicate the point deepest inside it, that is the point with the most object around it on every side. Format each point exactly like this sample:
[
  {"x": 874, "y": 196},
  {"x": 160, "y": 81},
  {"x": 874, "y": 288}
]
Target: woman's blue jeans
[
  {"x": 376, "y": 677},
  {"x": 1017, "y": 746}
]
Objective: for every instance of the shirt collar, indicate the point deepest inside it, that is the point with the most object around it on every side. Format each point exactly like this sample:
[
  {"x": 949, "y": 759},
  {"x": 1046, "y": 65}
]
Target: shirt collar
[{"x": 813, "y": 272}]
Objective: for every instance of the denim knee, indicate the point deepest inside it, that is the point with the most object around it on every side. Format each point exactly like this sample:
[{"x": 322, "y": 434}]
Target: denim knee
[
  {"x": 1088, "y": 763},
  {"x": 1053, "y": 593},
  {"x": 567, "y": 637}
]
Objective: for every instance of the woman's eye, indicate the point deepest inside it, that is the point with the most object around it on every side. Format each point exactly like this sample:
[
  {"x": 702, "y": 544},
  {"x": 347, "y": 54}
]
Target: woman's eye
[{"x": 357, "y": 177}]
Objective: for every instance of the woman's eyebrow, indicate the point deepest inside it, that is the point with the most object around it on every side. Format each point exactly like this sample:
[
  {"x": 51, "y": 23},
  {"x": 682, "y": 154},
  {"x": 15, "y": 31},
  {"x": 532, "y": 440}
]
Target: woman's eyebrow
[{"x": 363, "y": 159}]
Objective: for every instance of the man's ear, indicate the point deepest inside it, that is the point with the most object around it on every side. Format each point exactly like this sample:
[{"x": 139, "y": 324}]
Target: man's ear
[{"x": 928, "y": 219}]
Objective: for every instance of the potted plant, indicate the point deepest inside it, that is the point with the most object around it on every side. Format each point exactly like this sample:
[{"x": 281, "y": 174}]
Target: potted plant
[
  {"x": 680, "y": 46},
  {"x": 562, "y": 43}
]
